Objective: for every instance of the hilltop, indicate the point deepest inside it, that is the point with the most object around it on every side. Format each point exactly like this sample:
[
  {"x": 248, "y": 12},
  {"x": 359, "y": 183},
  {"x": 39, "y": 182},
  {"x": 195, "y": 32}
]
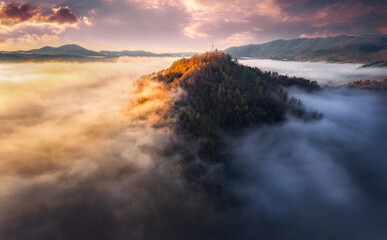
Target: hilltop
[
  {"x": 343, "y": 48},
  {"x": 204, "y": 97},
  {"x": 222, "y": 94}
]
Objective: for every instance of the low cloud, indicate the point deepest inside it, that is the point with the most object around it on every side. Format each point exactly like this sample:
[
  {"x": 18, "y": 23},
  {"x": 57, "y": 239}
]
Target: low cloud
[
  {"x": 331, "y": 74},
  {"x": 322, "y": 179},
  {"x": 81, "y": 159}
]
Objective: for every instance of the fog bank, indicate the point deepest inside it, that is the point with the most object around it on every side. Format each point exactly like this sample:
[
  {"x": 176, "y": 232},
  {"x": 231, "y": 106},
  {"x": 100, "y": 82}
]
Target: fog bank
[
  {"x": 82, "y": 159},
  {"x": 324, "y": 73},
  {"x": 322, "y": 179}
]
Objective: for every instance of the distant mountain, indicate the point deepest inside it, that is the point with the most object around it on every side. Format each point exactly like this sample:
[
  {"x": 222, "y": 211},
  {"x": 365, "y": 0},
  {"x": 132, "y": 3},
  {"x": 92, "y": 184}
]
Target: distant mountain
[
  {"x": 71, "y": 49},
  {"x": 343, "y": 48},
  {"x": 73, "y": 52},
  {"x": 140, "y": 53},
  {"x": 127, "y": 53},
  {"x": 6, "y": 57}
]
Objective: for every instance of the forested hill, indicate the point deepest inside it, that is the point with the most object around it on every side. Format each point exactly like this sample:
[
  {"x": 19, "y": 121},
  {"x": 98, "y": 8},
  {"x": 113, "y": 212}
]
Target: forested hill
[
  {"x": 221, "y": 94},
  {"x": 343, "y": 48},
  {"x": 204, "y": 97}
]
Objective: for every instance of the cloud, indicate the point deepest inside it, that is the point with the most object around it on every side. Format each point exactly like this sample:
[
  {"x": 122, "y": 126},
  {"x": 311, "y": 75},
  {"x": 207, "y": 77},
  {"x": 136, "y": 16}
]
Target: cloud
[
  {"x": 63, "y": 15},
  {"x": 324, "y": 73},
  {"x": 22, "y": 21},
  {"x": 322, "y": 179},
  {"x": 343, "y": 17},
  {"x": 357, "y": 16},
  {"x": 92, "y": 165},
  {"x": 224, "y": 19},
  {"x": 197, "y": 23},
  {"x": 13, "y": 13},
  {"x": 287, "y": 3},
  {"x": 82, "y": 159},
  {"x": 237, "y": 39},
  {"x": 193, "y": 31},
  {"x": 322, "y": 34}
]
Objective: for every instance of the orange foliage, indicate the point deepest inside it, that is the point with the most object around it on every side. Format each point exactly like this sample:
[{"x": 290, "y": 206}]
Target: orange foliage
[{"x": 186, "y": 66}]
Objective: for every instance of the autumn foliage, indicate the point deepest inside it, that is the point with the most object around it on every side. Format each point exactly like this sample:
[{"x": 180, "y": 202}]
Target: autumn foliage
[
  {"x": 223, "y": 95},
  {"x": 369, "y": 84}
]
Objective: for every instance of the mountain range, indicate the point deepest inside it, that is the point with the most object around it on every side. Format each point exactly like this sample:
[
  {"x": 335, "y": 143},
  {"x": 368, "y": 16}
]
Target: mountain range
[
  {"x": 73, "y": 52},
  {"x": 363, "y": 49}
]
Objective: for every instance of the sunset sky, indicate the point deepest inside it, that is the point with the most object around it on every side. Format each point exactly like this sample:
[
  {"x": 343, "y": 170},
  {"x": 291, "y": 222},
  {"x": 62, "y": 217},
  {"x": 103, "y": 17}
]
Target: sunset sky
[{"x": 181, "y": 25}]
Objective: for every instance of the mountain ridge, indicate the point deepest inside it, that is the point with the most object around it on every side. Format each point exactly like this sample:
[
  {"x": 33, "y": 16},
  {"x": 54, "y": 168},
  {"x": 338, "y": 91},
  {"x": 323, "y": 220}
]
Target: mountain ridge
[
  {"x": 77, "y": 53},
  {"x": 362, "y": 49},
  {"x": 344, "y": 48}
]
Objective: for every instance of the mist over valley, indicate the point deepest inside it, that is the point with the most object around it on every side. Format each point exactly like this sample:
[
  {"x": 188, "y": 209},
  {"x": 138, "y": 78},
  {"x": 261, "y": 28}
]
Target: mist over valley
[{"x": 135, "y": 155}]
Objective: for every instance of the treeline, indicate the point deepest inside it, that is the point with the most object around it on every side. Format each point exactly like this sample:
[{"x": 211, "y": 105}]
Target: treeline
[
  {"x": 381, "y": 63},
  {"x": 369, "y": 84}
]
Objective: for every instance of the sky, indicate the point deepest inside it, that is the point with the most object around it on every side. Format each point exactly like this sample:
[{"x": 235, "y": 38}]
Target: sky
[{"x": 181, "y": 25}]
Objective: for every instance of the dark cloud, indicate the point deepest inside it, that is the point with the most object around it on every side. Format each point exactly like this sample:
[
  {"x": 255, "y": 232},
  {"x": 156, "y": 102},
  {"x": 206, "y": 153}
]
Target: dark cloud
[
  {"x": 330, "y": 18},
  {"x": 30, "y": 25},
  {"x": 13, "y": 13},
  {"x": 63, "y": 15},
  {"x": 287, "y": 3}
]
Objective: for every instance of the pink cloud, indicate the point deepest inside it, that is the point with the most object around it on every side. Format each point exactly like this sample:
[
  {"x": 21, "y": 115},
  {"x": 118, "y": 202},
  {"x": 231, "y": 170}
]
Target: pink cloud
[
  {"x": 25, "y": 24},
  {"x": 13, "y": 13}
]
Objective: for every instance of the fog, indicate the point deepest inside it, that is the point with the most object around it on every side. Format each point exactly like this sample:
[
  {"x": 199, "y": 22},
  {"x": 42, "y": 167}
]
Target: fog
[
  {"x": 324, "y": 73},
  {"x": 321, "y": 179},
  {"x": 73, "y": 157},
  {"x": 79, "y": 159}
]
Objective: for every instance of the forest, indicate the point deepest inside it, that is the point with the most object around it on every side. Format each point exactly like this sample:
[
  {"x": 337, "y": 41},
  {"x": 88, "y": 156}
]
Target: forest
[{"x": 222, "y": 96}]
